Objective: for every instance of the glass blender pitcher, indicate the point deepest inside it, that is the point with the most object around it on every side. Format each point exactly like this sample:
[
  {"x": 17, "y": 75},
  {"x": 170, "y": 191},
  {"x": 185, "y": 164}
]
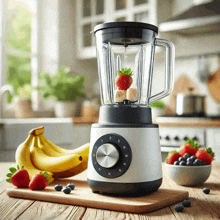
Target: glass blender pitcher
[{"x": 124, "y": 143}]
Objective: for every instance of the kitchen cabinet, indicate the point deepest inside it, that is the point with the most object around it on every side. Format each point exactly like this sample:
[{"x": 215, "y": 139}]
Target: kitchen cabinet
[{"x": 93, "y": 12}]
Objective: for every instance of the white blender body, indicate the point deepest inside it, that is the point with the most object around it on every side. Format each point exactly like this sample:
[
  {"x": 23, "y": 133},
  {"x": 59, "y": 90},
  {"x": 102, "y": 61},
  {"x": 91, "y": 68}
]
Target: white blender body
[{"x": 125, "y": 154}]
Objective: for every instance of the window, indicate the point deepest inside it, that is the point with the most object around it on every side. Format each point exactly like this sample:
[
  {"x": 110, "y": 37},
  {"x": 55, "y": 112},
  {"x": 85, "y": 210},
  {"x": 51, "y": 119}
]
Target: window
[{"x": 19, "y": 43}]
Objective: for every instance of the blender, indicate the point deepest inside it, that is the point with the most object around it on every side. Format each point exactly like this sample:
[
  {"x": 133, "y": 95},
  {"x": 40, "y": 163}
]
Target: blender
[{"x": 125, "y": 155}]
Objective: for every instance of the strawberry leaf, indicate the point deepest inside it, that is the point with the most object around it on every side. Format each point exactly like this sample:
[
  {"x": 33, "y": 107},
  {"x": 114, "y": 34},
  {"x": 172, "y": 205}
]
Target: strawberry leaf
[
  {"x": 46, "y": 175},
  {"x": 12, "y": 169},
  {"x": 8, "y": 180},
  {"x": 209, "y": 150},
  {"x": 9, "y": 175},
  {"x": 18, "y": 168},
  {"x": 125, "y": 72},
  {"x": 193, "y": 143}
]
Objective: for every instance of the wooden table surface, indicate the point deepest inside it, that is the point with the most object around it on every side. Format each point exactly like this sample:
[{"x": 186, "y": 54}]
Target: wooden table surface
[{"x": 203, "y": 206}]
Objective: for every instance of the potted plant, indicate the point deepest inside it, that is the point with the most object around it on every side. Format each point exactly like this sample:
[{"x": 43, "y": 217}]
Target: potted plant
[
  {"x": 65, "y": 88},
  {"x": 158, "y": 108},
  {"x": 23, "y": 108}
]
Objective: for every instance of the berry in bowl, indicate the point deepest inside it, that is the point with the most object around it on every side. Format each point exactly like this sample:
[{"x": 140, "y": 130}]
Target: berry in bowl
[{"x": 189, "y": 167}]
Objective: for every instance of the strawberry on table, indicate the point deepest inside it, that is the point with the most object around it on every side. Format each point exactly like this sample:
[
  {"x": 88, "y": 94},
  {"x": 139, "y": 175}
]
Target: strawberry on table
[
  {"x": 39, "y": 181},
  {"x": 205, "y": 155},
  {"x": 190, "y": 147},
  {"x": 124, "y": 79},
  {"x": 18, "y": 177},
  {"x": 172, "y": 157}
]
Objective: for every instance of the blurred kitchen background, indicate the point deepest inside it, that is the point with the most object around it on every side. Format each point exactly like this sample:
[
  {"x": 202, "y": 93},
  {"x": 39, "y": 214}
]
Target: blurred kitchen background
[{"x": 43, "y": 39}]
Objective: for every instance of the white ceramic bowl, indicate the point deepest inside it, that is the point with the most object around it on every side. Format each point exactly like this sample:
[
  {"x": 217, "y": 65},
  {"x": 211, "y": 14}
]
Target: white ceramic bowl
[{"x": 188, "y": 175}]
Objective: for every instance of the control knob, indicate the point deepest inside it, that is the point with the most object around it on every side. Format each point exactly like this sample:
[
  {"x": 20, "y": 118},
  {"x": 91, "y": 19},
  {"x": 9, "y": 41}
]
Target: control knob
[
  {"x": 107, "y": 155},
  {"x": 176, "y": 138},
  {"x": 195, "y": 138},
  {"x": 167, "y": 138},
  {"x": 185, "y": 138}
]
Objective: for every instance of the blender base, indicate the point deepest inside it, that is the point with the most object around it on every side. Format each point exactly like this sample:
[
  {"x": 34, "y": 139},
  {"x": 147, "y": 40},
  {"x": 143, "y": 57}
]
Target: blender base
[{"x": 124, "y": 189}]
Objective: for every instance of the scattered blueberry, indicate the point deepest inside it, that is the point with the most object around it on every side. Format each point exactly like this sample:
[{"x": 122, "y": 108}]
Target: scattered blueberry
[
  {"x": 71, "y": 185},
  {"x": 176, "y": 163},
  {"x": 67, "y": 190},
  {"x": 206, "y": 190},
  {"x": 189, "y": 163},
  {"x": 186, "y": 203},
  {"x": 186, "y": 155},
  {"x": 181, "y": 159},
  {"x": 178, "y": 208},
  {"x": 58, "y": 187},
  {"x": 204, "y": 163},
  {"x": 182, "y": 163}
]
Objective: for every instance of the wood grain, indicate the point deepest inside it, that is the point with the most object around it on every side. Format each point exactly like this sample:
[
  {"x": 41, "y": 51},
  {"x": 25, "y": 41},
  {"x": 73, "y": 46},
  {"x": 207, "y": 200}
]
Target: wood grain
[
  {"x": 204, "y": 207},
  {"x": 83, "y": 196},
  {"x": 214, "y": 84}
]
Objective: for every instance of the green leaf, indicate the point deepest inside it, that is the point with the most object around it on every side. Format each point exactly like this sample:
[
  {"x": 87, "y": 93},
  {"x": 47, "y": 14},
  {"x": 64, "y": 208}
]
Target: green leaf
[
  {"x": 125, "y": 72},
  {"x": 9, "y": 175},
  {"x": 193, "y": 143},
  {"x": 18, "y": 168},
  {"x": 8, "y": 180},
  {"x": 12, "y": 169},
  {"x": 22, "y": 167}
]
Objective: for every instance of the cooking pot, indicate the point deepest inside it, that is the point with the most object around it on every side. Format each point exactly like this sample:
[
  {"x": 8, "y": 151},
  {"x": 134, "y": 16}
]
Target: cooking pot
[{"x": 190, "y": 104}]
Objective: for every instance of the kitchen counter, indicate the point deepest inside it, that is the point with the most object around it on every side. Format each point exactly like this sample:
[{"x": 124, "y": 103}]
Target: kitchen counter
[
  {"x": 210, "y": 123},
  {"x": 203, "y": 206}
]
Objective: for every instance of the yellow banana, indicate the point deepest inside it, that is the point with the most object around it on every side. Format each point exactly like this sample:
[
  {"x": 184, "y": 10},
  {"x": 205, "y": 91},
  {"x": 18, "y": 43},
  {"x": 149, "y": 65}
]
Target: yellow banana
[
  {"x": 52, "y": 164},
  {"x": 82, "y": 151},
  {"x": 47, "y": 149},
  {"x": 22, "y": 158},
  {"x": 73, "y": 171}
]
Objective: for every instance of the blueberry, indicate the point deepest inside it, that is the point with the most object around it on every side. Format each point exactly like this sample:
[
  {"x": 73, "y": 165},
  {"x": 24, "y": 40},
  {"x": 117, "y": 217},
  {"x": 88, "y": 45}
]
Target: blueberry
[
  {"x": 195, "y": 164},
  {"x": 189, "y": 163},
  {"x": 198, "y": 162},
  {"x": 186, "y": 203},
  {"x": 181, "y": 159},
  {"x": 193, "y": 157},
  {"x": 178, "y": 208},
  {"x": 71, "y": 185},
  {"x": 186, "y": 155},
  {"x": 182, "y": 163},
  {"x": 67, "y": 190},
  {"x": 189, "y": 159},
  {"x": 58, "y": 187},
  {"x": 206, "y": 190},
  {"x": 176, "y": 163},
  {"x": 204, "y": 163}
]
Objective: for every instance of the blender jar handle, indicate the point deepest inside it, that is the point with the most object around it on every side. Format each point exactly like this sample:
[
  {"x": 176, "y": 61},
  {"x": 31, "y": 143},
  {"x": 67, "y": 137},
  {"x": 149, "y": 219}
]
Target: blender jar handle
[{"x": 169, "y": 69}]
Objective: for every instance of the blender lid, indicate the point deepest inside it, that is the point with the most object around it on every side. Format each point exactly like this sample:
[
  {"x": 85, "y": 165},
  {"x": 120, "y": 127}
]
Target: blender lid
[{"x": 125, "y": 24}]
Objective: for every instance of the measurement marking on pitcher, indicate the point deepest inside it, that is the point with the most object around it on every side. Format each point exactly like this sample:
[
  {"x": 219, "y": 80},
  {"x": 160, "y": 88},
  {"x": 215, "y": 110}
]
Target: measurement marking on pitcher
[
  {"x": 126, "y": 155},
  {"x": 124, "y": 164},
  {"x": 124, "y": 147}
]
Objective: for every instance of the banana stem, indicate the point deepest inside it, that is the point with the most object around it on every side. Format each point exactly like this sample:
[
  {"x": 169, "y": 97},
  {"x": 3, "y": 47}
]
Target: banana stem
[{"x": 29, "y": 139}]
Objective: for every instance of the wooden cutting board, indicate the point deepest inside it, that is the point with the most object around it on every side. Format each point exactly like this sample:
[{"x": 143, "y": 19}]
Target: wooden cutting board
[
  {"x": 83, "y": 196},
  {"x": 214, "y": 84}
]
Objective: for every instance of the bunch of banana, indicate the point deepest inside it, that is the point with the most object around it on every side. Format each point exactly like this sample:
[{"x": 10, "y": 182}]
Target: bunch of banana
[
  {"x": 23, "y": 158},
  {"x": 58, "y": 162}
]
